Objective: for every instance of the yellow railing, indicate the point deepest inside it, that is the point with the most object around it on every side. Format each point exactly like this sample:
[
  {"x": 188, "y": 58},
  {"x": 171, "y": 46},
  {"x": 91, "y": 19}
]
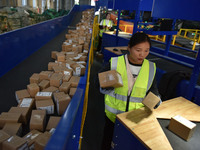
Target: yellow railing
[{"x": 184, "y": 34}]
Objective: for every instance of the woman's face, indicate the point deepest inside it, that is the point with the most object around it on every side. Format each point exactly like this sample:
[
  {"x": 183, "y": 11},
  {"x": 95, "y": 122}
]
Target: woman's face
[
  {"x": 138, "y": 52},
  {"x": 108, "y": 16}
]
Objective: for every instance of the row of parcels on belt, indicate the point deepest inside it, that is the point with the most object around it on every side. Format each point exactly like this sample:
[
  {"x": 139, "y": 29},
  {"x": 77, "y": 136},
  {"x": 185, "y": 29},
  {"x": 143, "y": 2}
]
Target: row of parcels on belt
[{"x": 47, "y": 96}]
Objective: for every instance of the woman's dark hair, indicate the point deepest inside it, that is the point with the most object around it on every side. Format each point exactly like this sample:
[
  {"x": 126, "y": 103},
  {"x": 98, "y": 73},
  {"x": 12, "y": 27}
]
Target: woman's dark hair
[{"x": 138, "y": 38}]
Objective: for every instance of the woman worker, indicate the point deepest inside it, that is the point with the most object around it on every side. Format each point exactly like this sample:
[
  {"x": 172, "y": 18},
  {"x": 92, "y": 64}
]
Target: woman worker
[
  {"x": 138, "y": 75},
  {"x": 105, "y": 25}
]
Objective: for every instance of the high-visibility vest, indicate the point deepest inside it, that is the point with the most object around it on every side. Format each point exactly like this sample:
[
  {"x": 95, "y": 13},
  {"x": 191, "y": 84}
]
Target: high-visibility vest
[
  {"x": 104, "y": 30},
  {"x": 116, "y": 101}
]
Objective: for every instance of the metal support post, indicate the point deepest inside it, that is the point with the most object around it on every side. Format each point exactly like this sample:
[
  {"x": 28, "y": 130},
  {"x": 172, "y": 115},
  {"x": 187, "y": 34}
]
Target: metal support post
[
  {"x": 193, "y": 79},
  {"x": 117, "y": 31}
]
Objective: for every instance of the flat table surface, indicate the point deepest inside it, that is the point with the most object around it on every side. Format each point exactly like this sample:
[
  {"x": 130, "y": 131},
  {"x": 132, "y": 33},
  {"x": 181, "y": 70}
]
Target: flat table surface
[{"x": 153, "y": 133}]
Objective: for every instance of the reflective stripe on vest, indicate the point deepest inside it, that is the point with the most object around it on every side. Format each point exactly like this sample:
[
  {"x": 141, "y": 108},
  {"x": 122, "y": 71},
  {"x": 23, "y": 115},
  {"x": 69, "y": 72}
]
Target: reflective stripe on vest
[{"x": 113, "y": 110}]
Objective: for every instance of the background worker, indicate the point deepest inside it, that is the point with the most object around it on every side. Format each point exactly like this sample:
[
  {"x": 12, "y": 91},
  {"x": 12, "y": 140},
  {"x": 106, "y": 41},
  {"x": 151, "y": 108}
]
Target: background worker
[
  {"x": 138, "y": 76},
  {"x": 105, "y": 25}
]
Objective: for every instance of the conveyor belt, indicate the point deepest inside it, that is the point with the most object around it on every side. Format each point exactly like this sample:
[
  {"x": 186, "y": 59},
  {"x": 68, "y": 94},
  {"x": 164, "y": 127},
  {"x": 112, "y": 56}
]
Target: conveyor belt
[{"x": 18, "y": 77}]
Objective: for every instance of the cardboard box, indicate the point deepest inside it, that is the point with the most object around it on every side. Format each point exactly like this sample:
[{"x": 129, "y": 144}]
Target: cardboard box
[
  {"x": 31, "y": 137},
  {"x": 50, "y": 89},
  {"x": 35, "y": 78},
  {"x": 62, "y": 103},
  {"x": 54, "y": 54},
  {"x": 7, "y": 117},
  {"x": 42, "y": 140},
  {"x": 110, "y": 79},
  {"x": 82, "y": 63},
  {"x": 60, "y": 57},
  {"x": 46, "y": 104},
  {"x": 21, "y": 94},
  {"x": 33, "y": 89},
  {"x": 66, "y": 77},
  {"x": 151, "y": 100},
  {"x": 15, "y": 143},
  {"x": 79, "y": 70},
  {"x": 44, "y": 84},
  {"x": 74, "y": 81},
  {"x": 38, "y": 120},
  {"x": 43, "y": 95},
  {"x": 182, "y": 127},
  {"x": 45, "y": 75},
  {"x": 83, "y": 58},
  {"x": 53, "y": 122},
  {"x": 66, "y": 47},
  {"x": 72, "y": 91},
  {"x": 65, "y": 86},
  {"x": 58, "y": 95},
  {"x": 24, "y": 111},
  {"x": 13, "y": 129},
  {"x": 56, "y": 79},
  {"x": 3, "y": 137},
  {"x": 68, "y": 36},
  {"x": 62, "y": 69},
  {"x": 51, "y": 64},
  {"x": 27, "y": 102}
]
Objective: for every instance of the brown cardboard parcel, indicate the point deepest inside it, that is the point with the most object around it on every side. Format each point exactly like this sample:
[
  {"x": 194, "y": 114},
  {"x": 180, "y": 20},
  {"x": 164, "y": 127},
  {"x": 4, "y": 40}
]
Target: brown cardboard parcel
[
  {"x": 65, "y": 86},
  {"x": 72, "y": 91},
  {"x": 46, "y": 104},
  {"x": 110, "y": 79},
  {"x": 79, "y": 69},
  {"x": 21, "y": 94},
  {"x": 33, "y": 89},
  {"x": 182, "y": 127},
  {"x": 27, "y": 102},
  {"x": 56, "y": 79},
  {"x": 44, "y": 84},
  {"x": 13, "y": 129},
  {"x": 31, "y": 137},
  {"x": 74, "y": 81},
  {"x": 53, "y": 54},
  {"x": 45, "y": 75},
  {"x": 51, "y": 64},
  {"x": 42, "y": 140},
  {"x": 66, "y": 77},
  {"x": 35, "y": 78},
  {"x": 24, "y": 111},
  {"x": 14, "y": 143},
  {"x": 3, "y": 137},
  {"x": 50, "y": 89},
  {"x": 43, "y": 95},
  {"x": 151, "y": 100},
  {"x": 38, "y": 119},
  {"x": 9, "y": 117},
  {"x": 62, "y": 101},
  {"x": 53, "y": 122}
]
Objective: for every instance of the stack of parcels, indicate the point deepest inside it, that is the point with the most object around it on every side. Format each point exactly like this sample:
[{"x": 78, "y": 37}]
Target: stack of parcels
[{"x": 45, "y": 99}]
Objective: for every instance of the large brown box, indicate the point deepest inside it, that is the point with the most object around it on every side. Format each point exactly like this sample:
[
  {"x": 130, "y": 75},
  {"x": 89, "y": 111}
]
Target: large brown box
[
  {"x": 35, "y": 78},
  {"x": 6, "y": 117},
  {"x": 27, "y": 102},
  {"x": 31, "y": 137},
  {"x": 66, "y": 77},
  {"x": 79, "y": 69},
  {"x": 45, "y": 75},
  {"x": 38, "y": 119},
  {"x": 15, "y": 143},
  {"x": 60, "y": 57},
  {"x": 13, "y": 129},
  {"x": 50, "y": 89},
  {"x": 74, "y": 81},
  {"x": 24, "y": 111},
  {"x": 42, "y": 140},
  {"x": 47, "y": 105},
  {"x": 44, "y": 84},
  {"x": 56, "y": 79},
  {"x": 110, "y": 79},
  {"x": 53, "y": 122},
  {"x": 33, "y": 89},
  {"x": 150, "y": 100},
  {"x": 83, "y": 58},
  {"x": 43, "y": 95},
  {"x": 51, "y": 64},
  {"x": 82, "y": 63},
  {"x": 3, "y": 137},
  {"x": 182, "y": 127},
  {"x": 69, "y": 63},
  {"x": 72, "y": 91},
  {"x": 62, "y": 101},
  {"x": 66, "y": 47},
  {"x": 21, "y": 94},
  {"x": 65, "y": 86}
]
